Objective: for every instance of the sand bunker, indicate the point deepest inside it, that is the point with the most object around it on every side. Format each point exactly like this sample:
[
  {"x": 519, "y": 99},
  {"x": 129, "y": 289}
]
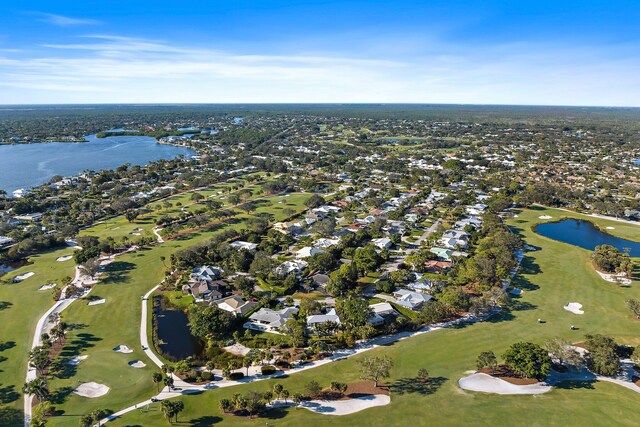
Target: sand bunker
[
  {"x": 488, "y": 384},
  {"x": 76, "y": 360},
  {"x": 620, "y": 278},
  {"x": 24, "y": 276},
  {"x": 96, "y": 302},
  {"x": 545, "y": 217},
  {"x": 137, "y": 364},
  {"x": 341, "y": 407},
  {"x": 574, "y": 307},
  {"x": 47, "y": 287},
  {"x": 135, "y": 234},
  {"x": 611, "y": 228},
  {"x": 516, "y": 291},
  {"x": 123, "y": 349},
  {"x": 64, "y": 258},
  {"x": 91, "y": 390}
]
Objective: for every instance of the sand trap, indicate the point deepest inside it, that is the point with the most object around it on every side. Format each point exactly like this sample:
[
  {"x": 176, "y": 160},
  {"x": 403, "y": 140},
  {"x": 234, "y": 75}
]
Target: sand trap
[
  {"x": 64, "y": 258},
  {"x": 611, "y": 228},
  {"x": 137, "y": 229},
  {"x": 24, "y": 276},
  {"x": 47, "y": 287},
  {"x": 488, "y": 384},
  {"x": 574, "y": 307},
  {"x": 135, "y": 234},
  {"x": 76, "y": 360},
  {"x": 545, "y": 217},
  {"x": 91, "y": 390},
  {"x": 516, "y": 291},
  {"x": 137, "y": 364},
  {"x": 123, "y": 349},
  {"x": 96, "y": 302},
  {"x": 620, "y": 278},
  {"x": 341, "y": 407}
]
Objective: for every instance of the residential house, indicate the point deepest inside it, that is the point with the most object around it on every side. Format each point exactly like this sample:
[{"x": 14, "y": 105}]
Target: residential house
[
  {"x": 31, "y": 217},
  {"x": 239, "y": 244},
  {"x": 382, "y": 243},
  {"x": 205, "y": 291},
  {"x": 325, "y": 243},
  {"x": 236, "y": 305},
  {"x": 320, "y": 280},
  {"x": 206, "y": 273},
  {"x": 269, "y": 320},
  {"x": 409, "y": 299},
  {"x": 380, "y": 311},
  {"x": 308, "y": 251},
  {"x": 452, "y": 239},
  {"x": 318, "y": 319},
  {"x": 5, "y": 241},
  {"x": 291, "y": 266},
  {"x": 477, "y": 209},
  {"x": 434, "y": 266}
]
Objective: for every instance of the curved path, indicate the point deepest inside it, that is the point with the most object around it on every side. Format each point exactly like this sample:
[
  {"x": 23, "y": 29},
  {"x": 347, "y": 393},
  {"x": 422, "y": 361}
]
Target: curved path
[{"x": 44, "y": 325}]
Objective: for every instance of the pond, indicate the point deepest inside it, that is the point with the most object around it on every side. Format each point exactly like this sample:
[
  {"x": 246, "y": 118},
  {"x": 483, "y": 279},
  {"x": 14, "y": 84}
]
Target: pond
[
  {"x": 174, "y": 334},
  {"x": 585, "y": 234}
]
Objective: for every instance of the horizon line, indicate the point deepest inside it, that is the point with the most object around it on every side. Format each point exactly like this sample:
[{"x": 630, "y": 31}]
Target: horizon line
[{"x": 318, "y": 104}]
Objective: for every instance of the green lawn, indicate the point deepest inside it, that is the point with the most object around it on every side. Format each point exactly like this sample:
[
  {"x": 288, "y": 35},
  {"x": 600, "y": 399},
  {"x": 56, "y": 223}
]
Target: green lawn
[
  {"x": 21, "y": 305},
  {"x": 102, "y": 327},
  {"x": 551, "y": 277},
  {"x": 117, "y": 321}
]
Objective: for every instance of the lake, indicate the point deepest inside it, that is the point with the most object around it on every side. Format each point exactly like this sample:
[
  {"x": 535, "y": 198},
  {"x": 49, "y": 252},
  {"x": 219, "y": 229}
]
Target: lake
[
  {"x": 584, "y": 234},
  {"x": 30, "y": 165},
  {"x": 174, "y": 333}
]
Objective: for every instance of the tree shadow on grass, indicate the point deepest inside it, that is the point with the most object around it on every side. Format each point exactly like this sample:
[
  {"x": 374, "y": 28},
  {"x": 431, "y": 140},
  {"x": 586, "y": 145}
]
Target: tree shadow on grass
[
  {"x": 11, "y": 417},
  {"x": 525, "y": 284},
  {"x": 276, "y": 413},
  {"x": 118, "y": 271},
  {"x": 81, "y": 342},
  {"x": 575, "y": 384},
  {"x": 5, "y": 305},
  {"x": 8, "y": 394},
  {"x": 6, "y": 345},
  {"x": 207, "y": 420},
  {"x": 528, "y": 266},
  {"x": 416, "y": 385},
  {"x": 58, "y": 396}
]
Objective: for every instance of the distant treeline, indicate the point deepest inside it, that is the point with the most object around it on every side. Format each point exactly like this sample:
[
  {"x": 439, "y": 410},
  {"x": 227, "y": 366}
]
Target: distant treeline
[{"x": 154, "y": 134}]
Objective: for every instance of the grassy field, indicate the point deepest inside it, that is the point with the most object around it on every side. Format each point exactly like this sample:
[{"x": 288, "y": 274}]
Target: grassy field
[
  {"x": 550, "y": 277},
  {"x": 98, "y": 329},
  {"x": 117, "y": 322},
  {"x": 21, "y": 305}
]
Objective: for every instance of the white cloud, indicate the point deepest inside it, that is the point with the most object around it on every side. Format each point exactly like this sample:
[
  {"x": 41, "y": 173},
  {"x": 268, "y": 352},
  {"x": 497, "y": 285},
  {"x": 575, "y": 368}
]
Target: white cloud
[
  {"x": 106, "y": 68},
  {"x": 63, "y": 21}
]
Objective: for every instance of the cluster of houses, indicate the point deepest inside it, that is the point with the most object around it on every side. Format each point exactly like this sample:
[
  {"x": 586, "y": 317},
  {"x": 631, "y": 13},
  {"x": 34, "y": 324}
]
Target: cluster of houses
[{"x": 206, "y": 285}]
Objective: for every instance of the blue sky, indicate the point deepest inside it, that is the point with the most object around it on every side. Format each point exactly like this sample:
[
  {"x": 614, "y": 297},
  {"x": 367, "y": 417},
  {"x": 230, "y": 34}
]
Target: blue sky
[{"x": 484, "y": 52}]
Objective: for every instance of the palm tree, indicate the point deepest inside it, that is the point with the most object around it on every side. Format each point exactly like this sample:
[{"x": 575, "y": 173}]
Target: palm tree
[
  {"x": 168, "y": 381},
  {"x": 38, "y": 388},
  {"x": 277, "y": 390},
  {"x": 178, "y": 406},
  {"x": 157, "y": 379},
  {"x": 167, "y": 410}
]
